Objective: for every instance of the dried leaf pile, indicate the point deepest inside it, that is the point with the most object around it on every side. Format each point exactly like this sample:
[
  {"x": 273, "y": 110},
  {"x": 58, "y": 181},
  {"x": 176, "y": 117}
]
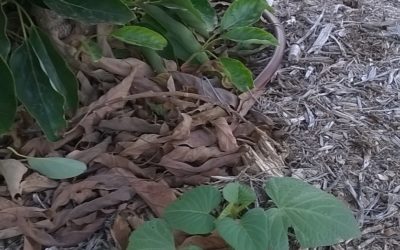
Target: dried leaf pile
[{"x": 143, "y": 136}]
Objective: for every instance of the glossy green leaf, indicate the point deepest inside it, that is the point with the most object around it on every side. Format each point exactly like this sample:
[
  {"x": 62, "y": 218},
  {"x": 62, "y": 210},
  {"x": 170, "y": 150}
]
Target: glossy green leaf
[
  {"x": 92, "y": 11},
  {"x": 52, "y": 63},
  {"x": 191, "y": 213},
  {"x": 178, "y": 32},
  {"x": 318, "y": 218},
  {"x": 57, "y": 167},
  {"x": 277, "y": 230},
  {"x": 152, "y": 235},
  {"x": 140, "y": 36},
  {"x": 248, "y": 233},
  {"x": 239, "y": 194},
  {"x": 239, "y": 75},
  {"x": 243, "y": 13},
  {"x": 34, "y": 90},
  {"x": 92, "y": 49},
  {"x": 8, "y": 103},
  {"x": 251, "y": 35},
  {"x": 4, "y": 42},
  {"x": 207, "y": 13}
]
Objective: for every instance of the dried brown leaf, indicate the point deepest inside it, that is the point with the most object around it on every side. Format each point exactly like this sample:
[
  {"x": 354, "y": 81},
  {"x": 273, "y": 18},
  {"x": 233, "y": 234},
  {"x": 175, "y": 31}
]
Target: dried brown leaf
[
  {"x": 144, "y": 143},
  {"x": 131, "y": 124},
  {"x": 120, "y": 232},
  {"x": 179, "y": 168},
  {"x": 13, "y": 171},
  {"x": 123, "y": 67},
  {"x": 116, "y": 161},
  {"x": 198, "y": 138},
  {"x": 199, "y": 154},
  {"x": 211, "y": 242},
  {"x": 89, "y": 154},
  {"x": 121, "y": 90},
  {"x": 226, "y": 140},
  {"x": 208, "y": 115},
  {"x": 36, "y": 183},
  {"x": 182, "y": 131}
]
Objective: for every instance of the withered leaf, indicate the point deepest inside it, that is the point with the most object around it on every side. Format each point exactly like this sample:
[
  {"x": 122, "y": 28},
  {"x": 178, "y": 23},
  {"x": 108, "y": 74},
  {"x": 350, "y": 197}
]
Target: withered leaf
[
  {"x": 13, "y": 171},
  {"x": 144, "y": 143},
  {"x": 211, "y": 242},
  {"x": 88, "y": 155},
  {"x": 123, "y": 67},
  {"x": 121, "y": 90},
  {"x": 182, "y": 130},
  {"x": 208, "y": 115},
  {"x": 131, "y": 124},
  {"x": 116, "y": 161},
  {"x": 226, "y": 140},
  {"x": 199, "y": 154},
  {"x": 120, "y": 232},
  {"x": 36, "y": 183},
  {"x": 198, "y": 138}
]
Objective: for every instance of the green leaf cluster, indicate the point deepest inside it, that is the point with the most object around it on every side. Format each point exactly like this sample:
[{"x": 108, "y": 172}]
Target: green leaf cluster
[{"x": 317, "y": 218}]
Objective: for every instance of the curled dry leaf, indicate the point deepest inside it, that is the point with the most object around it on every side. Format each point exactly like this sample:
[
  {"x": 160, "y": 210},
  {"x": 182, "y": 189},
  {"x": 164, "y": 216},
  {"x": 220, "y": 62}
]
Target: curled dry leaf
[
  {"x": 206, "y": 116},
  {"x": 103, "y": 32},
  {"x": 198, "y": 138},
  {"x": 179, "y": 168},
  {"x": 123, "y": 67},
  {"x": 121, "y": 90},
  {"x": 36, "y": 183},
  {"x": 13, "y": 172},
  {"x": 157, "y": 195},
  {"x": 130, "y": 124},
  {"x": 143, "y": 144},
  {"x": 200, "y": 154},
  {"x": 226, "y": 140},
  {"x": 182, "y": 131},
  {"x": 211, "y": 242},
  {"x": 120, "y": 231},
  {"x": 88, "y": 155},
  {"x": 116, "y": 161}
]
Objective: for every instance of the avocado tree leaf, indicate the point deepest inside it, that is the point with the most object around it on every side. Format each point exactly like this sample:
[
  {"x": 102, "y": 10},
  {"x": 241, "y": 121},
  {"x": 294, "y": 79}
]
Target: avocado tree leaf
[
  {"x": 251, "y": 35},
  {"x": 207, "y": 13},
  {"x": 8, "y": 102},
  {"x": 318, "y": 218},
  {"x": 52, "y": 63},
  {"x": 92, "y": 11},
  {"x": 277, "y": 229},
  {"x": 35, "y": 92},
  {"x": 238, "y": 194},
  {"x": 191, "y": 247},
  {"x": 191, "y": 212},
  {"x": 243, "y": 13},
  {"x": 238, "y": 74},
  {"x": 248, "y": 233},
  {"x": 140, "y": 36},
  {"x": 57, "y": 167},
  {"x": 152, "y": 235},
  {"x": 4, "y": 41}
]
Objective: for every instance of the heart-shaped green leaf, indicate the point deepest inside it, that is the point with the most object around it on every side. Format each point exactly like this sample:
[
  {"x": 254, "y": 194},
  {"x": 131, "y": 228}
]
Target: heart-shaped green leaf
[
  {"x": 152, "y": 235},
  {"x": 8, "y": 102},
  {"x": 243, "y": 13},
  {"x": 34, "y": 90},
  {"x": 238, "y": 74},
  {"x": 318, "y": 218},
  {"x": 57, "y": 167},
  {"x": 52, "y": 63},
  {"x": 4, "y": 42},
  {"x": 251, "y": 35},
  {"x": 92, "y": 11},
  {"x": 277, "y": 230},
  {"x": 238, "y": 194},
  {"x": 140, "y": 36},
  {"x": 191, "y": 212},
  {"x": 248, "y": 233}
]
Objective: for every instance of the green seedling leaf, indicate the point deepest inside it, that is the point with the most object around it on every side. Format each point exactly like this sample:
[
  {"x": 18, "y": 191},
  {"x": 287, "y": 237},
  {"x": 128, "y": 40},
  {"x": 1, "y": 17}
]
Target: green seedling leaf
[
  {"x": 243, "y": 13},
  {"x": 152, "y": 235},
  {"x": 34, "y": 90},
  {"x": 238, "y": 194},
  {"x": 251, "y": 35},
  {"x": 191, "y": 247},
  {"x": 8, "y": 102},
  {"x": 248, "y": 233},
  {"x": 179, "y": 32},
  {"x": 57, "y": 167},
  {"x": 52, "y": 63},
  {"x": 191, "y": 212},
  {"x": 140, "y": 36},
  {"x": 92, "y": 49},
  {"x": 4, "y": 41},
  {"x": 238, "y": 74},
  {"x": 277, "y": 230},
  {"x": 92, "y": 11},
  {"x": 318, "y": 218}
]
